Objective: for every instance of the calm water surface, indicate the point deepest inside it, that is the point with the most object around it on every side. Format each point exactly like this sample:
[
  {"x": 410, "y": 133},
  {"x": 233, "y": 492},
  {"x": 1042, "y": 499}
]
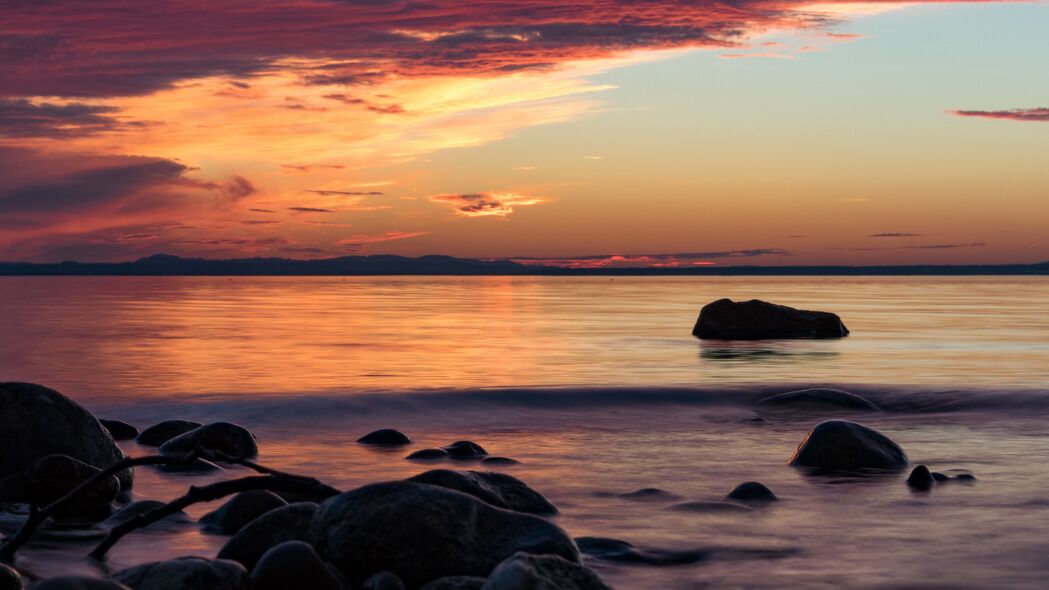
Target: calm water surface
[{"x": 597, "y": 387}]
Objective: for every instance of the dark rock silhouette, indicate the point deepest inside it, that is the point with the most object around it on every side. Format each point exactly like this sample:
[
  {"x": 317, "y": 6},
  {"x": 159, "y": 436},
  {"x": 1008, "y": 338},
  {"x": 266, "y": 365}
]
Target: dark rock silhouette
[
  {"x": 752, "y": 492},
  {"x": 160, "y": 433},
  {"x": 10, "y": 579},
  {"x": 842, "y": 445},
  {"x": 287, "y": 523},
  {"x": 499, "y": 461},
  {"x": 218, "y": 437},
  {"x": 294, "y": 564},
  {"x": 650, "y": 495},
  {"x": 240, "y": 510},
  {"x": 920, "y": 478},
  {"x": 428, "y": 455},
  {"x": 498, "y": 489},
  {"x": 54, "y": 476},
  {"x": 817, "y": 399},
  {"x": 710, "y": 507},
  {"x": 725, "y": 319},
  {"x": 186, "y": 572},
  {"x": 437, "y": 532},
  {"x": 36, "y": 422},
  {"x": 620, "y": 551},
  {"x": 543, "y": 572},
  {"x": 456, "y": 583},
  {"x": 383, "y": 581},
  {"x": 385, "y": 437},
  {"x": 940, "y": 477},
  {"x": 119, "y": 430},
  {"x": 78, "y": 583},
  {"x": 465, "y": 449}
]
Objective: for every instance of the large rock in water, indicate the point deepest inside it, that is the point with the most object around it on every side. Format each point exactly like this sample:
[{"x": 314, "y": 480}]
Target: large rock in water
[
  {"x": 287, "y": 523},
  {"x": 543, "y": 572},
  {"x": 817, "y": 399},
  {"x": 36, "y": 422},
  {"x": 498, "y": 489},
  {"x": 725, "y": 319},
  {"x": 211, "y": 441},
  {"x": 184, "y": 573},
  {"x": 294, "y": 564},
  {"x": 422, "y": 532},
  {"x": 837, "y": 445},
  {"x": 160, "y": 433},
  {"x": 240, "y": 510},
  {"x": 54, "y": 476}
]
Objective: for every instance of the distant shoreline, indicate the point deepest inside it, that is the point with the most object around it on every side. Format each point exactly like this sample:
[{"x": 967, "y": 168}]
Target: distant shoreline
[{"x": 386, "y": 265}]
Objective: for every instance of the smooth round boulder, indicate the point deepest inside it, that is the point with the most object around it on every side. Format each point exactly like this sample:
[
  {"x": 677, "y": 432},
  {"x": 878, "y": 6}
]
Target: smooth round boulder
[
  {"x": 186, "y": 572},
  {"x": 466, "y": 450},
  {"x": 294, "y": 564},
  {"x": 10, "y": 579},
  {"x": 818, "y": 399},
  {"x": 36, "y": 422},
  {"x": 213, "y": 441},
  {"x": 725, "y": 319},
  {"x": 52, "y": 477},
  {"x": 497, "y": 489},
  {"x": 422, "y": 532},
  {"x": 543, "y": 572},
  {"x": 650, "y": 495},
  {"x": 840, "y": 445},
  {"x": 162, "y": 432},
  {"x": 287, "y": 523},
  {"x": 921, "y": 478},
  {"x": 455, "y": 583},
  {"x": 78, "y": 583},
  {"x": 752, "y": 492},
  {"x": 240, "y": 510},
  {"x": 383, "y": 581},
  {"x": 428, "y": 455},
  {"x": 119, "y": 430},
  {"x": 387, "y": 437},
  {"x": 499, "y": 462}
]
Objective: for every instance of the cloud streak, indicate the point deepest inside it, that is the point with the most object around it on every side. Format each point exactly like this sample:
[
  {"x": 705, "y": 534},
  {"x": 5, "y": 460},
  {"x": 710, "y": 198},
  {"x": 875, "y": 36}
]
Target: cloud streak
[
  {"x": 1036, "y": 114},
  {"x": 485, "y": 204},
  {"x": 679, "y": 259}
]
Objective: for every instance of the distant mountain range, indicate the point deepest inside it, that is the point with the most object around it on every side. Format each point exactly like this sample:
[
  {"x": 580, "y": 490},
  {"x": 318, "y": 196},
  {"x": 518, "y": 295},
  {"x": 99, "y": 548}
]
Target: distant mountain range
[{"x": 167, "y": 265}]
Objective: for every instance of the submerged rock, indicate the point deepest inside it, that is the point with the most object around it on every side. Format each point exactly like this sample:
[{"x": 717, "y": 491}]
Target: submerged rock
[
  {"x": 385, "y": 437},
  {"x": 456, "y": 583},
  {"x": 713, "y": 507},
  {"x": 54, "y": 476},
  {"x": 287, "y": 523},
  {"x": 428, "y": 455},
  {"x": 465, "y": 449},
  {"x": 965, "y": 477},
  {"x": 940, "y": 477},
  {"x": 294, "y": 564},
  {"x": 186, "y": 572},
  {"x": 384, "y": 581},
  {"x": 36, "y": 422},
  {"x": 920, "y": 478},
  {"x": 213, "y": 440},
  {"x": 620, "y": 551},
  {"x": 499, "y": 462},
  {"x": 725, "y": 319},
  {"x": 818, "y": 399},
  {"x": 240, "y": 510},
  {"x": 78, "y": 583},
  {"x": 752, "y": 492},
  {"x": 650, "y": 495},
  {"x": 160, "y": 433},
  {"x": 498, "y": 489},
  {"x": 10, "y": 579},
  {"x": 437, "y": 532},
  {"x": 524, "y": 571},
  {"x": 837, "y": 445},
  {"x": 119, "y": 430}
]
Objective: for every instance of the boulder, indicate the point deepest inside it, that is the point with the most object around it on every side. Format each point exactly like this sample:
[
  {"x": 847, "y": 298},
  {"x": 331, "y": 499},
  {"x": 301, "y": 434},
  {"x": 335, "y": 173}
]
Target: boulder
[
  {"x": 36, "y": 422},
  {"x": 725, "y": 319},
  {"x": 499, "y": 462},
  {"x": 752, "y": 492},
  {"x": 455, "y": 583},
  {"x": 940, "y": 477},
  {"x": 837, "y": 445},
  {"x": 240, "y": 510},
  {"x": 965, "y": 477},
  {"x": 385, "y": 437},
  {"x": 497, "y": 489},
  {"x": 294, "y": 564},
  {"x": 78, "y": 583},
  {"x": 466, "y": 450},
  {"x": 422, "y": 532},
  {"x": 818, "y": 399},
  {"x": 211, "y": 441},
  {"x": 710, "y": 507},
  {"x": 10, "y": 579},
  {"x": 158, "y": 434},
  {"x": 622, "y": 552},
  {"x": 119, "y": 430},
  {"x": 186, "y": 572},
  {"x": 543, "y": 572},
  {"x": 54, "y": 476},
  {"x": 428, "y": 455},
  {"x": 383, "y": 581},
  {"x": 287, "y": 523},
  {"x": 650, "y": 495},
  {"x": 920, "y": 478}
]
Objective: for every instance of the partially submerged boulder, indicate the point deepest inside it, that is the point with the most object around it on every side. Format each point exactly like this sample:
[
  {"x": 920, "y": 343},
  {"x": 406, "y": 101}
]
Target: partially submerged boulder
[
  {"x": 497, "y": 489},
  {"x": 837, "y": 445},
  {"x": 54, "y": 476},
  {"x": 294, "y": 564},
  {"x": 465, "y": 449},
  {"x": 650, "y": 495},
  {"x": 456, "y": 583},
  {"x": 240, "y": 510},
  {"x": 162, "y": 432},
  {"x": 752, "y": 492},
  {"x": 287, "y": 523},
  {"x": 543, "y": 572},
  {"x": 186, "y": 572},
  {"x": 428, "y": 455},
  {"x": 119, "y": 430},
  {"x": 818, "y": 399},
  {"x": 386, "y": 437},
  {"x": 78, "y": 583},
  {"x": 921, "y": 478},
  {"x": 436, "y": 532},
  {"x": 214, "y": 440},
  {"x": 619, "y": 551},
  {"x": 36, "y": 422},
  {"x": 725, "y": 319},
  {"x": 384, "y": 581},
  {"x": 10, "y": 579}
]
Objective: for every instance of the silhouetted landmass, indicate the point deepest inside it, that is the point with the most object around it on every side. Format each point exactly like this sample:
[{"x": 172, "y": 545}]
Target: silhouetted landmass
[{"x": 167, "y": 265}]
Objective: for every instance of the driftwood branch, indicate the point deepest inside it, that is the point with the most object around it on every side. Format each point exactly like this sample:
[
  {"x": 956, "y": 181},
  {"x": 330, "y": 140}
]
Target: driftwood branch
[{"x": 279, "y": 482}]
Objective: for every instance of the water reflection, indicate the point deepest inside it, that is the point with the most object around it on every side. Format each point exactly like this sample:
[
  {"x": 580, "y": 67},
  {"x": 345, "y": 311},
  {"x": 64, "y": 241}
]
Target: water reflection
[{"x": 761, "y": 350}]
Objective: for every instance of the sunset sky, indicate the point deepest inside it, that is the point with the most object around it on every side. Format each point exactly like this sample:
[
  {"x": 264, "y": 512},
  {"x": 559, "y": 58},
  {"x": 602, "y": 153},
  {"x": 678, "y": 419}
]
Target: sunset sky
[{"x": 595, "y": 132}]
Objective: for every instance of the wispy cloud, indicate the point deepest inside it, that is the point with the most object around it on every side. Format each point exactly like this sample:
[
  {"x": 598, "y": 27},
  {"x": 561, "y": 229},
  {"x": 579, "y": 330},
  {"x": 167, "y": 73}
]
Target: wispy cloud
[
  {"x": 1040, "y": 114},
  {"x": 485, "y": 204},
  {"x": 678, "y": 259},
  {"x": 310, "y": 210},
  {"x": 896, "y": 235},
  {"x": 333, "y": 193}
]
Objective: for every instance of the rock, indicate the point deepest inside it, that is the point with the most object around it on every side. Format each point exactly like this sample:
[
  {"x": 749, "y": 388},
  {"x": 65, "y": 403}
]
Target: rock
[
  {"x": 650, "y": 495},
  {"x": 287, "y": 523},
  {"x": 920, "y": 478},
  {"x": 725, "y": 319},
  {"x": 436, "y": 532},
  {"x": 940, "y": 477},
  {"x": 54, "y": 476},
  {"x": 385, "y": 437},
  {"x": 464, "y": 449},
  {"x": 36, "y": 422},
  {"x": 428, "y": 455},
  {"x": 10, "y": 579},
  {"x": 837, "y": 445},
  {"x": 119, "y": 430},
  {"x": 456, "y": 583},
  {"x": 818, "y": 399},
  {"x": 195, "y": 466},
  {"x": 499, "y": 461},
  {"x": 498, "y": 489},
  {"x": 294, "y": 564},
  {"x": 752, "y": 492},
  {"x": 713, "y": 507},
  {"x": 543, "y": 572},
  {"x": 623, "y": 552},
  {"x": 384, "y": 581},
  {"x": 213, "y": 440},
  {"x": 240, "y": 510},
  {"x": 965, "y": 477},
  {"x": 78, "y": 583},
  {"x": 186, "y": 572},
  {"x": 141, "y": 507},
  {"x": 158, "y": 434}
]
